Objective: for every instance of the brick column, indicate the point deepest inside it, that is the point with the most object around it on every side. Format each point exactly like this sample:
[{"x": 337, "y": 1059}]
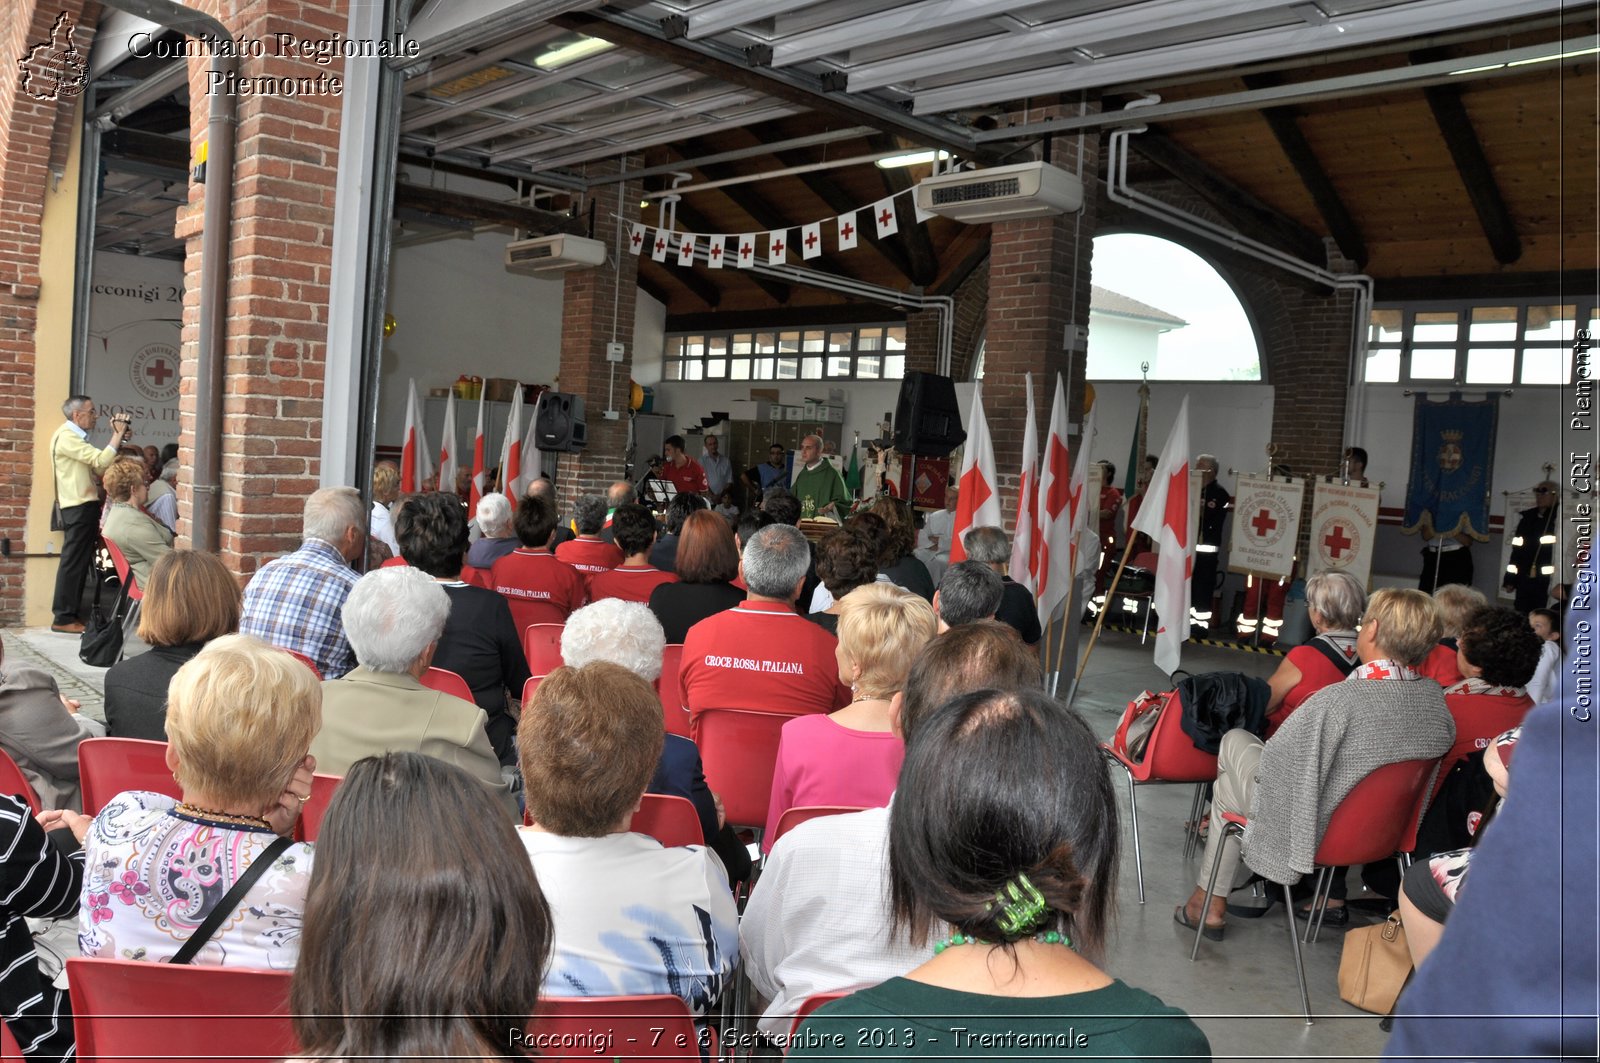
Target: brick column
[
  {"x": 596, "y": 308},
  {"x": 1038, "y": 287},
  {"x": 922, "y": 341},
  {"x": 278, "y": 260}
]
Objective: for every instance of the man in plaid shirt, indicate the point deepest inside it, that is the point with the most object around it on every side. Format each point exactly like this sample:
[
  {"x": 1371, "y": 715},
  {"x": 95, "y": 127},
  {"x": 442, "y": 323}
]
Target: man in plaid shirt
[{"x": 297, "y": 601}]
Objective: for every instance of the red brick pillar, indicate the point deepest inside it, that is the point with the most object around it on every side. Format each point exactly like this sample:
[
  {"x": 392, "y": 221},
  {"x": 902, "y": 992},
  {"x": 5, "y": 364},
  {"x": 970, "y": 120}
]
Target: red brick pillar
[
  {"x": 279, "y": 261},
  {"x": 1038, "y": 291},
  {"x": 597, "y": 308},
  {"x": 922, "y": 341}
]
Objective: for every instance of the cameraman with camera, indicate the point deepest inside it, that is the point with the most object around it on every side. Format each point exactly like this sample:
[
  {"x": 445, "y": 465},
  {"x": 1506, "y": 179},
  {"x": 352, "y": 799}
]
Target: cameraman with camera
[{"x": 76, "y": 462}]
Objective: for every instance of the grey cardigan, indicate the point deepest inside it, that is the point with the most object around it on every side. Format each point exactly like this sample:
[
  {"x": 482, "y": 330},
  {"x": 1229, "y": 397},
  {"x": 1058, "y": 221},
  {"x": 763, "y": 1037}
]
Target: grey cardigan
[
  {"x": 38, "y": 732},
  {"x": 1341, "y": 734}
]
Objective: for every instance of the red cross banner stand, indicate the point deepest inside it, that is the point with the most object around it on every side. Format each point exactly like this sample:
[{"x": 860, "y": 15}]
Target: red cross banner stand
[
  {"x": 746, "y": 250},
  {"x": 1266, "y": 526},
  {"x": 811, "y": 240},
  {"x": 847, "y": 231},
  {"x": 637, "y": 238},
  {"x": 1344, "y": 526}
]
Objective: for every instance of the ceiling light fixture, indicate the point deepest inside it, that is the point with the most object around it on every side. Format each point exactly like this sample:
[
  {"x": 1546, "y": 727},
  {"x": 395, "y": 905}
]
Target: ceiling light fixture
[
  {"x": 581, "y": 48},
  {"x": 915, "y": 158},
  {"x": 1554, "y": 56}
]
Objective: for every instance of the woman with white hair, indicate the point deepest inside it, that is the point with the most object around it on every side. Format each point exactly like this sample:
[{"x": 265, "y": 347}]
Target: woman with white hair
[
  {"x": 494, "y": 517},
  {"x": 628, "y": 634},
  {"x": 394, "y": 618},
  {"x": 1335, "y": 601}
]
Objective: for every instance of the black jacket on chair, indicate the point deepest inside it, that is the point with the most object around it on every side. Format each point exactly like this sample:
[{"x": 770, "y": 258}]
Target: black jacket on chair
[{"x": 1217, "y": 702}]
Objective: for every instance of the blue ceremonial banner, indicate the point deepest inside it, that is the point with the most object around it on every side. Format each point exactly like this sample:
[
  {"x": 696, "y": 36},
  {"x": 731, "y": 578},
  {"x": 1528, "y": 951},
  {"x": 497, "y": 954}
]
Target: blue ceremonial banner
[{"x": 1452, "y": 451}]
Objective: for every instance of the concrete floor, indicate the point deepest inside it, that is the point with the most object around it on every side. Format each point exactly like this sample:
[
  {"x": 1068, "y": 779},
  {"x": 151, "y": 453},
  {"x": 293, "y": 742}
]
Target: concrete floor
[{"x": 1241, "y": 990}]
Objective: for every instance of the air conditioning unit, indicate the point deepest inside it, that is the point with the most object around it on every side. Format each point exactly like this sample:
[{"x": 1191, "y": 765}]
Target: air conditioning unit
[
  {"x": 553, "y": 254},
  {"x": 1000, "y": 193}
]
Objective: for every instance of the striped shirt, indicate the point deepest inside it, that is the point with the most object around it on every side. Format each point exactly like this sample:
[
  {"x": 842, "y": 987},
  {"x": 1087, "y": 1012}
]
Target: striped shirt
[
  {"x": 36, "y": 880},
  {"x": 297, "y": 602}
]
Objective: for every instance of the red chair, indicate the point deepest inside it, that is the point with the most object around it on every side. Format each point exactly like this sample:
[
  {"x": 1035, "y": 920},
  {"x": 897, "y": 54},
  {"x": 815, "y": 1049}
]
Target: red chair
[
  {"x": 648, "y": 1027},
  {"x": 542, "y": 644},
  {"x": 124, "y": 571},
  {"x": 307, "y": 661},
  {"x": 447, "y": 682},
  {"x": 474, "y": 576},
  {"x": 127, "y": 1010},
  {"x": 1364, "y": 828},
  {"x": 738, "y": 749},
  {"x": 109, "y": 766},
  {"x": 9, "y": 1049},
  {"x": 530, "y": 687},
  {"x": 13, "y": 781},
  {"x": 669, "y": 819},
  {"x": 670, "y": 687},
  {"x": 1169, "y": 757},
  {"x": 793, "y": 817},
  {"x": 316, "y": 806},
  {"x": 812, "y": 1003}
]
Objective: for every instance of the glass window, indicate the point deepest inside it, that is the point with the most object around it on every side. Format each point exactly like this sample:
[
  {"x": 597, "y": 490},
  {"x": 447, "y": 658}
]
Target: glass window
[
  {"x": 717, "y": 368},
  {"x": 1435, "y": 326},
  {"x": 841, "y": 341},
  {"x": 694, "y": 370},
  {"x": 766, "y": 343},
  {"x": 1491, "y": 365},
  {"x": 739, "y": 369},
  {"x": 895, "y": 338},
  {"x": 743, "y": 343},
  {"x": 1383, "y": 365},
  {"x": 792, "y": 354},
  {"x": 765, "y": 369},
  {"x": 1557, "y": 323},
  {"x": 788, "y": 342},
  {"x": 672, "y": 369},
  {"x": 871, "y": 340},
  {"x": 788, "y": 368},
  {"x": 839, "y": 365},
  {"x": 1433, "y": 363},
  {"x": 811, "y": 368},
  {"x": 869, "y": 366},
  {"x": 1387, "y": 327},
  {"x": 1546, "y": 365},
  {"x": 694, "y": 346},
  {"x": 894, "y": 367},
  {"x": 813, "y": 342},
  {"x": 1496, "y": 324}
]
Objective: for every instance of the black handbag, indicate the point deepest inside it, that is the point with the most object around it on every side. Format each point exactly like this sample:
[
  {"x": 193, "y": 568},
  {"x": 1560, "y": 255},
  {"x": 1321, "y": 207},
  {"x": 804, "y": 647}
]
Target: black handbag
[
  {"x": 100, "y": 646},
  {"x": 55, "y": 507}
]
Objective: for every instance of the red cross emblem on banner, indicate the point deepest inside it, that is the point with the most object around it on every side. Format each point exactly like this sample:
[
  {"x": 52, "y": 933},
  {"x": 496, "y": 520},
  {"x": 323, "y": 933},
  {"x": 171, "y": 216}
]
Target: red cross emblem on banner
[
  {"x": 158, "y": 371},
  {"x": 716, "y": 251},
  {"x": 1336, "y": 542},
  {"x": 811, "y": 240},
  {"x": 886, "y": 217},
  {"x": 777, "y": 247},
  {"x": 847, "y": 230},
  {"x": 638, "y": 239},
  {"x": 1263, "y": 523},
  {"x": 661, "y": 245},
  {"x": 746, "y": 251}
]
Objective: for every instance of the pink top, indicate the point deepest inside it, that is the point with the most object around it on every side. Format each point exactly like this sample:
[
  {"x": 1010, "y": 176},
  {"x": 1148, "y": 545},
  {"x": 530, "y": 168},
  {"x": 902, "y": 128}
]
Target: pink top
[{"x": 821, "y": 762}]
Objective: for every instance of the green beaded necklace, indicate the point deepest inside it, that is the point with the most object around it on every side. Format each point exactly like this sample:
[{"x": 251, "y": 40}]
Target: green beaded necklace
[{"x": 1049, "y": 937}]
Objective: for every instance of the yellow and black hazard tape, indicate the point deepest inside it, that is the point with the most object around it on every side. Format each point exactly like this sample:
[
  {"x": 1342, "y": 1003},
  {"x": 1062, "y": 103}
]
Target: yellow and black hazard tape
[{"x": 1222, "y": 644}]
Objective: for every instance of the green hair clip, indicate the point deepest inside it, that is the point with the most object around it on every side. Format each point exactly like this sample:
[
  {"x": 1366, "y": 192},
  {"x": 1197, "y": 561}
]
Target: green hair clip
[{"x": 1024, "y": 906}]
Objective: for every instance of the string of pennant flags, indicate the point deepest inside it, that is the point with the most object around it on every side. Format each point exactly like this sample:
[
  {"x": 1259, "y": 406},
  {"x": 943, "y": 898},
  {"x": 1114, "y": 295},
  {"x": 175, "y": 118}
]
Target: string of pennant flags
[{"x": 664, "y": 245}]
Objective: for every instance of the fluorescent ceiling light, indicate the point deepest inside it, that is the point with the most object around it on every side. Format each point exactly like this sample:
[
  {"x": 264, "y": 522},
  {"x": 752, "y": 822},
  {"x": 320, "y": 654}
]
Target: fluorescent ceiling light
[
  {"x": 1557, "y": 55},
  {"x": 581, "y": 48},
  {"x": 915, "y": 158}
]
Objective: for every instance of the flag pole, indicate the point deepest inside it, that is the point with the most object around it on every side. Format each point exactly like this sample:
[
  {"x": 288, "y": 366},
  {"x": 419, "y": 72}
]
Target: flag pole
[{"x": 1099, "y": 621}]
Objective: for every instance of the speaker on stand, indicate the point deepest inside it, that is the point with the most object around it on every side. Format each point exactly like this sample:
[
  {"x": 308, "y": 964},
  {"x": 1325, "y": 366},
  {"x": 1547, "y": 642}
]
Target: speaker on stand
[{"x": 927, "y": 421}]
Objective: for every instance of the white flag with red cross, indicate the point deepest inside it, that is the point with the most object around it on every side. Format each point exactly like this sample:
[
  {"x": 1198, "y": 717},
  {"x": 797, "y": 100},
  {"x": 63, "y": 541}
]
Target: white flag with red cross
[
  {"x": 777, "y": 246},
  {"x": 1059, "y": 494},
  {"x": 1025, "y": 543},
  {"x": 416, "y": 464},
  {"x": 660, "y": 246},
  {"x": 979, "y": 504},
  {"x": 637, "y": 237},
  {"x": 847, "y": 231},
  {"x": 883, "y": 216},
  {"x": 512, "y": 482},
  {"x": 478, "y": 469},
  {"x": 447, "y": 445},
  {"x": 747, "y": 250},
  {"x": 716, "y": 251},
  {"x": 811, "y": 240},
  {"x": 686, "y": 249},
  {"x": 1165, "y": 517}
]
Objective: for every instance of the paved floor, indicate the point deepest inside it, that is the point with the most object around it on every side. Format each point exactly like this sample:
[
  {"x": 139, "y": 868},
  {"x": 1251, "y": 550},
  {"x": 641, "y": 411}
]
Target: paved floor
[{"x": 1241, "y": 991}]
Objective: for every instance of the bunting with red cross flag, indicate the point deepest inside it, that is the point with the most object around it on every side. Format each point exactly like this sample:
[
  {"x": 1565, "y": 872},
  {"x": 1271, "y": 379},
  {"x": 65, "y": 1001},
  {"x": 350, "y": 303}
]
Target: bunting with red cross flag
[
  {"x": 1344, "y": 527},
  {"x": 811, "y": 240},
  {"x": 1165, "y": 516},
  {"x": 979, "y": 505},
  {"x": 638, "y": 236},
  {"x": 777, "y": 246},
  {"x": 686, "y": 246},
  {"x": 746, "y": 251},
  {"x": 847, "y": 231},
  {"x": 883, "y": 216},
  {"x": 1060, "y": 491},
  {"x": 660, "y": 246},
  {"x": 717, "y": 251},
  {"x": 1266, "y": 525}
]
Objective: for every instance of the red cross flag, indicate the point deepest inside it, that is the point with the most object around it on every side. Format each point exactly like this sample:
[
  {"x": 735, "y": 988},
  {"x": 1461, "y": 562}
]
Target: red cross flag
[
  {"x": 717, "y": 251},
  {"x": 777, "y": 246},
  {"x": 1266, "y": 525},
  {"x": 811, "y": 240},
  {"x": 979, "y": 506},
  {"x": 847, "y": 231},
  {"x": 1164, "y": 516},
  {"x": 478, "y": 468},
  {"x": 1344, "y": 527},
  {"x": 884, "y": 217},
  {"x": 637, "y": 238},
  {"x": 686, "y": 245},
  {"x": 1024, "y": 547},
  {"x": 1061, "y": 516},
  {"x": 512, "y": 482},
  {"x": 658, "y": 249},
  {"x": 447, "y": 445},
  {"x": 746, "y": 250},
  {"x": 416, "y": 464}
]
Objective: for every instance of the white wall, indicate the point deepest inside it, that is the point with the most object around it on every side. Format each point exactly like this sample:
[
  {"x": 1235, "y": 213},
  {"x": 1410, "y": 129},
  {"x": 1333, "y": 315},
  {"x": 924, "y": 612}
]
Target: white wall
[
  {"x": 865, "y": 401},
  {"x": 1231, "y": 420}
]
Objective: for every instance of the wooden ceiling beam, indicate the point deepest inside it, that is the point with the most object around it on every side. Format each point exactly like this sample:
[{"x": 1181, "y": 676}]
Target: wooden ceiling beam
[
  {"x": 1285, "y": 125},
  {"x": 652, "y": 289},
  {"x": 840, "y": 202},
  {"x": 697, "y": 222},
  {"x": 1252, "y": 216},
  {"x": 698, "y": 286},
  {"x": 967, "y": 251},
  {"x": 1450, "y": 114},
  {"x": 919, "y": 248}
]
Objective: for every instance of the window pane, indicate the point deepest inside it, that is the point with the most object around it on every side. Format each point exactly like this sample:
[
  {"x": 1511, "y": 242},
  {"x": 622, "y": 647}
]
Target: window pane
[
  {"x": 813, "y": 342},
  {"x": 894, "y": 367},
  {"x": 743, "y": 343},
  {"x": 1490, "y": 365},
  {"x": 716, "y": 346},
  {"x": 694, "y": 370},
  {"x": 1492, "y": 323},
  {"x": 869, "y": 366},
  {"x": 1383, "y": 365},
  {"x": 765, "y": 369},
  {"x": 1386, "y": 327},
  {"x": 1546, "y": 365},
  {"x": 1433, "y": 363},
  {"x": 672, "y": 370},
  {"x": 717, "y": 368},
  {"x": 841, "y": 341},
  {"x": 1435, "y": 326},
  {"x": 871, "y": 340},
  {"x": 897, "y": 338},
  {"x": 766, "y": 343},
  {"x": 674, "y": 346},
  {"x": 839, "y": 365},
  {"x": 788, "y": 342},
  {"x": 1551, "y": 323},
  {"x": 811, "y": 368},
  {"x": 694, "y": 346},
  {"x": 788, "y": 368},
  {"x": 739, "y": 369}
]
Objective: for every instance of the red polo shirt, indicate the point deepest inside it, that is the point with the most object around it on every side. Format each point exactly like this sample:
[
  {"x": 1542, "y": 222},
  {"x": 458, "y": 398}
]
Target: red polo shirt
[
  {"x": 761, "y": 656},
  {"x": 589, "y": 555},
  {"x": 631, "y": 583},
  {"x": 539, "y": 587},
  {"x": 688, "y": 478}
]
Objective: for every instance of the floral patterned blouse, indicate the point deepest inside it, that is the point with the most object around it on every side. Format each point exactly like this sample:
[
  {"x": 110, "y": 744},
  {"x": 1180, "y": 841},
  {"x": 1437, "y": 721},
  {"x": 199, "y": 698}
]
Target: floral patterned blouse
[{"x": 153, "y": 874}]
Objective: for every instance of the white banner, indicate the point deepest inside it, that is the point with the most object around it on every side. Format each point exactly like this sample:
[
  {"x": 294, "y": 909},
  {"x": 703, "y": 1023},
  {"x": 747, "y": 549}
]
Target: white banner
[
  {"x": 135, "y": 332},
  {"x": 1344, "y": 528},
  {"x": 1266, "y": 526}
]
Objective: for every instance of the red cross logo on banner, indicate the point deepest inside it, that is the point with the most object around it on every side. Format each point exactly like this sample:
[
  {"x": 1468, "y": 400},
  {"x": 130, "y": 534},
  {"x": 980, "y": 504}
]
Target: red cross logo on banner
[
  {"x": 716, "y": 250},
  {"x": 746, "y": 251},
  {"x": 158, "y": 371},
  {"x": 885, "y": 218},
  {"x": 1263, "y": 523},
  {"x": 848, "y": 230},
  {"x": 1336, "y": 542},
  {"x": 811, "y": 240},
  {"x": 777, "y": 247},
  {"x": 661, "y": 245},
  {"x": 1057, "y": 497},
  {"x": 638, "y": 240}
]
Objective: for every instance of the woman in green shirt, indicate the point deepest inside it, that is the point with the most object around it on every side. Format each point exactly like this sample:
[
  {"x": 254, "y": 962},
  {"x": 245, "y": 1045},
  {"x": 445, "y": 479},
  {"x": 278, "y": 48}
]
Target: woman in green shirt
[{"x": 1002, "y": 860}]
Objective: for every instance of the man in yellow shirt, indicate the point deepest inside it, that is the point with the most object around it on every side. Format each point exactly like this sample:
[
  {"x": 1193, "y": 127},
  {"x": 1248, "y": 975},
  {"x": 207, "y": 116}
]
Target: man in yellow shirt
[{"x": 76, "y": 462}]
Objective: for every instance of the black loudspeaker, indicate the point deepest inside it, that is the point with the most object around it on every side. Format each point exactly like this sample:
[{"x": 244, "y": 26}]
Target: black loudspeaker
[
  {"x": 927, "y": 422},
  {"x": 560, "y": 425}
]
